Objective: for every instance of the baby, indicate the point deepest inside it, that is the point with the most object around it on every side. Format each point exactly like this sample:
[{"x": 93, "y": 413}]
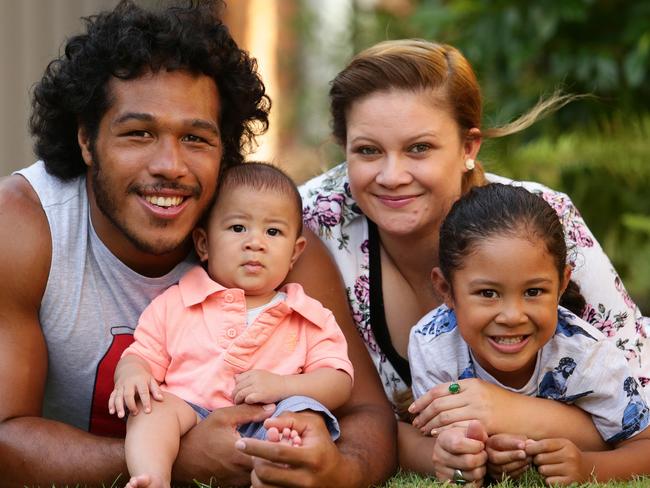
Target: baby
[{"x": 227, "y": 334}]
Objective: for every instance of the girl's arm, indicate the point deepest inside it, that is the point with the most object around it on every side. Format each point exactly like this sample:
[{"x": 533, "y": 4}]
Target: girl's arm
[
  {"x": 560, "y": 461},
  {"x": 629, "y": 458}
]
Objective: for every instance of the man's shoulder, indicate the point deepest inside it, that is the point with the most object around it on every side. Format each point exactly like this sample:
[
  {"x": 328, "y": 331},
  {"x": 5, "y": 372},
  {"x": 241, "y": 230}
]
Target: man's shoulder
[
  {"x": 26, "y": 255},
  {"x": 19, "y": 200}
]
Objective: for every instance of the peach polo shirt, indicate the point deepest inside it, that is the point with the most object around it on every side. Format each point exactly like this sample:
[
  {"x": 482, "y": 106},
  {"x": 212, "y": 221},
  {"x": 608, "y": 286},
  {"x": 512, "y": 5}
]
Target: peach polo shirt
[{"x": 195, "y": 338}]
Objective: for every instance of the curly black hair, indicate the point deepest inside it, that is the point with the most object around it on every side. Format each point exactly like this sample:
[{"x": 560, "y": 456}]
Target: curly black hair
[{"x": 127, "y": 42}]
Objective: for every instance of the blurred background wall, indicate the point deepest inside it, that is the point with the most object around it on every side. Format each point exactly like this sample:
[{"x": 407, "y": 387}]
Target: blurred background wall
[{"x": 596, "y": 150}]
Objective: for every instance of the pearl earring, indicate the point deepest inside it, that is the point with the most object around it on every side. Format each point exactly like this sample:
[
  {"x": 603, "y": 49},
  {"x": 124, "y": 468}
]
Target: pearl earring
[{"x": 470, "y": 164}]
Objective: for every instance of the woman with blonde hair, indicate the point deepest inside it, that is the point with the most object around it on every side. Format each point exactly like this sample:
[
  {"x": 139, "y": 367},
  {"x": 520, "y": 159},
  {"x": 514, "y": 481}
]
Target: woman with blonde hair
[{"x": 408, "y": 115}]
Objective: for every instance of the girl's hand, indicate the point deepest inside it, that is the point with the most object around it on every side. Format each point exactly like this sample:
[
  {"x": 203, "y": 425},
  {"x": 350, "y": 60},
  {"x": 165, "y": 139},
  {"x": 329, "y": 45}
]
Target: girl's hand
[
  {"x": 259, "y": 386},
  {"x": 559, "y": 461},
  {"x": 439, "y": 409},
  {"x": 461, "y": 449},
  {"x": 507, "y": 456},
  {"x": 137, "y": 383}
]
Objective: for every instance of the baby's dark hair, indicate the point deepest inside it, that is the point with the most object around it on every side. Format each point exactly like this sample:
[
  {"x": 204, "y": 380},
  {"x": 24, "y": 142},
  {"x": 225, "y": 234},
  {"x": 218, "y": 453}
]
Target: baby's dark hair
[
  {"x": 503, "y": 210},
  {"x": 261, "y": 176},
  {"x": 126, "y": 43}
]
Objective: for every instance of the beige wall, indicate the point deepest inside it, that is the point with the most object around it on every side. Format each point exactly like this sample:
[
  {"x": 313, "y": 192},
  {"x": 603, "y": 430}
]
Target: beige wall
[{"x": 31, "y": 34}]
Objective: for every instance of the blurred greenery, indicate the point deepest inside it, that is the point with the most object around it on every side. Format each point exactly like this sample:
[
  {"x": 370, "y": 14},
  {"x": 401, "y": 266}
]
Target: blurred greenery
[{"x": 595, "y": 149}]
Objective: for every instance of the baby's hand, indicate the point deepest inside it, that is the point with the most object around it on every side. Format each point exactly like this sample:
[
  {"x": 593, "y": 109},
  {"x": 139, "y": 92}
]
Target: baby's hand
[
  {"x": 126, "y": 388},
  {"x": 507, "y": 456},
  {"x": 259, "y": 386},
  {"x": 559, "y": 461}
]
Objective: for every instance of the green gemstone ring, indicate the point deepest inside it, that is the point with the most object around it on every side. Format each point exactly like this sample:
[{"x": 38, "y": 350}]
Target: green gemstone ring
[{"x": 454, "y": 388}]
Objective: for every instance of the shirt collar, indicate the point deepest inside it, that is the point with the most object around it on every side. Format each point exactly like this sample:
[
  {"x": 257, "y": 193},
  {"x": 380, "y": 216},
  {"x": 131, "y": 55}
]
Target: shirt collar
[
  {"x": 304, "y": 305},
  {"x": 196, "y": 286}
]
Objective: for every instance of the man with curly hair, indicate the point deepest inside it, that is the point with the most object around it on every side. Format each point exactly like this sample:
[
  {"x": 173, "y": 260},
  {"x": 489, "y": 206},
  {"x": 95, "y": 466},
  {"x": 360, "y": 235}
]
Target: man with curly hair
[{"x": 133, "y": 124}]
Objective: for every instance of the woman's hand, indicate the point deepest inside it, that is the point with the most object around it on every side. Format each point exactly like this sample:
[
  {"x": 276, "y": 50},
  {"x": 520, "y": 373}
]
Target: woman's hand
[
  {"x": 461, "y": 449},
  {"x": 439, "y": 409}
]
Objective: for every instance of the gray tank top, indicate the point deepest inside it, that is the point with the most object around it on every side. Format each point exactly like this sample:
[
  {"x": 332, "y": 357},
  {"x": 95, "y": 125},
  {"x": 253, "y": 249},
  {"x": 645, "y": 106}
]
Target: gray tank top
[{"x": 90, "y": 307}]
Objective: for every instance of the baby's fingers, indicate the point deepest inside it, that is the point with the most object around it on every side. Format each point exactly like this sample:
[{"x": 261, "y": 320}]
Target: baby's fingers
[
  {"x": 244, "y": 379},
  {"x": 129, "y": 400},
  {"x": 111, "y": 403},
  {"x": 145, "y": 399},
  {"x": 239, "y": 395},
  {"x": 116, "y": 400},
  {"x": 156, "y": 392}
]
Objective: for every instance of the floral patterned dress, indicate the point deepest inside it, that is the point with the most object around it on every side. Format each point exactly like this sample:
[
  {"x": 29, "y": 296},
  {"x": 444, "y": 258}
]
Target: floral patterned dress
[{"x": 331, "y": 213}]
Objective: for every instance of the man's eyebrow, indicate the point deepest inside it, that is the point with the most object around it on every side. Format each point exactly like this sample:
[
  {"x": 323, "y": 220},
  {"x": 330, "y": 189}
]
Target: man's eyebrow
[
  {"x": 206, "y": 125},
  {"x": 145, "y": 117}
]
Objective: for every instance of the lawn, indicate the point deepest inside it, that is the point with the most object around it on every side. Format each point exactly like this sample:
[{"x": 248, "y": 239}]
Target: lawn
[
  {"x": 529, "y": 480},
  {"x": 406, "y": 480}
]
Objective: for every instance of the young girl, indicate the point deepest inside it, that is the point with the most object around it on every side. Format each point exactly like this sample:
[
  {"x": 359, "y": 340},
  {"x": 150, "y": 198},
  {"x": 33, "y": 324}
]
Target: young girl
[
  {"x": 226, "y": 335},
  {"x": 502, "y": 276}
]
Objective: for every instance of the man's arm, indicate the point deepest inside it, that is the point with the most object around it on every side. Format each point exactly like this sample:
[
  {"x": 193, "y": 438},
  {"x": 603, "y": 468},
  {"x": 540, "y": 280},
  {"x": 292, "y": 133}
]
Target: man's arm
[
  {"x": 366, "y": 452},
  {"x": 32, "y": 449}
]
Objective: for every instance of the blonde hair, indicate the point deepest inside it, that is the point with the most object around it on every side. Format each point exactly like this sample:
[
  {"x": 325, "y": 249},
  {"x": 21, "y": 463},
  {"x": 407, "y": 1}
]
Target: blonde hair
[{"x": 441, "y": 70}]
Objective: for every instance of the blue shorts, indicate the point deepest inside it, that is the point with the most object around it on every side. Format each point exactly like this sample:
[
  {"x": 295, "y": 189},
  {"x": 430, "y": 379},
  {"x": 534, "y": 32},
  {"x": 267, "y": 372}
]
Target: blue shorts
[{"x": 296, "y": 403}]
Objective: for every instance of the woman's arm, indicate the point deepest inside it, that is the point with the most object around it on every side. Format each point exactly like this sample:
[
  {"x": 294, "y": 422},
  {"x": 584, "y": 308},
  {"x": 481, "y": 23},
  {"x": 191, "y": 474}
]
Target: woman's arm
[
  {"x": 501, "y": 411},
  {"x": 414, "y": 450}
]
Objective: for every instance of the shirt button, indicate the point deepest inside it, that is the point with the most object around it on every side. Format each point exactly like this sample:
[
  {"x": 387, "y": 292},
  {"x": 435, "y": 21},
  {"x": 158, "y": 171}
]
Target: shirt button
[
  {"x": 228, "y": 298},
  {"x": 232, "y": 333}
]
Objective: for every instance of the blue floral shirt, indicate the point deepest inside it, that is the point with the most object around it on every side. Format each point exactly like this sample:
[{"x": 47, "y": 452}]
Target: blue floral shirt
[
  {"x": 576, "y": 366},
  {"x": 331, "y": 213}
]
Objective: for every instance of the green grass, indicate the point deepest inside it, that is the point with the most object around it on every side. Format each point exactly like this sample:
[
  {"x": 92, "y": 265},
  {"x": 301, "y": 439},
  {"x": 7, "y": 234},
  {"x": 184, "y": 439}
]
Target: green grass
[
  {"x": 408, "y": 480},
  {"x": 529, "y": 480}
]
